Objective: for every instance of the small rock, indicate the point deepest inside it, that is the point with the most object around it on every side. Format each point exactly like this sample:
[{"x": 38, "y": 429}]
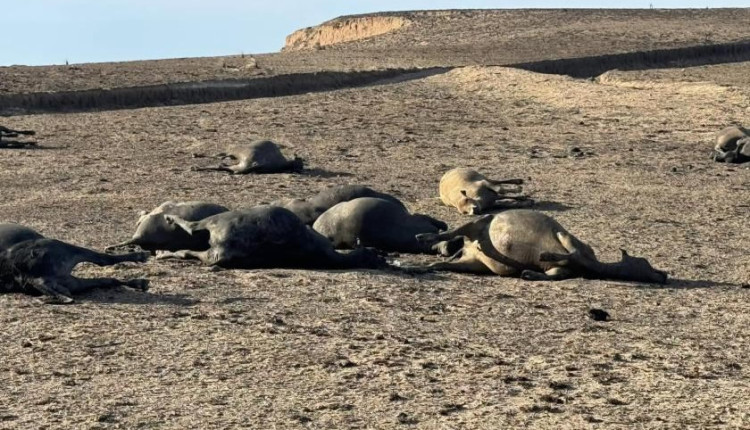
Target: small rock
[
  {"x": 561, "y": 385},
  {"x": 452, "y": 408},
  {"x": 302, "y": 419},
  {"x": 396, "y": 397},
  {"x": 44, "y": 337},
  {"x": 598, "y": 314},
  {"x": 405, "y": 418},
  {"x": 107, "y": 418},
  {"x": 593, "y": 419}
]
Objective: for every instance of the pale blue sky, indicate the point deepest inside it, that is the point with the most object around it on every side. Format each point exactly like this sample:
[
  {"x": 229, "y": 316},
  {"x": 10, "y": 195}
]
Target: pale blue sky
[{"x": 35, "y": 32}]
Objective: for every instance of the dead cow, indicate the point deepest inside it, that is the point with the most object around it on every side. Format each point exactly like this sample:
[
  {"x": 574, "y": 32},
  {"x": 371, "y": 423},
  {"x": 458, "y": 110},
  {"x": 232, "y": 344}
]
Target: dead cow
[
  {"x": 309, "y": 210},
  {"x": 381, "y": 224},
  {"x": 533, "y": 245},
  {"x": 260, "y": 156},
  {"x": 732, "y": 145},
  {"x": 44, "y": 266},
  {"x": 11, "y": 234},
  {"x": 472, "y": 193},
  {"x": 7, "y": 132},
  {"x": 153, "y": 233},
  {"x": 267, "y": 236}
]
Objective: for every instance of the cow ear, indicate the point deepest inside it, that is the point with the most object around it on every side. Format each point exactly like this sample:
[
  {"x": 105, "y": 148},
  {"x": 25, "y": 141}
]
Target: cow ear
[{"x": 463, "y": 192}]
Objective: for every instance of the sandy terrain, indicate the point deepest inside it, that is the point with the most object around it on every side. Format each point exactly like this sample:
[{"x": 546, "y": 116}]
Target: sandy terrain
[
  {"x": 381, "y": 349},
  {"x": 287, "y": 349}
]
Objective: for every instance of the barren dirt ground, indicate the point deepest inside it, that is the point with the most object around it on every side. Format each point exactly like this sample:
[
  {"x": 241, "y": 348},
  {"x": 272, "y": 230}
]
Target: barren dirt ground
[
  {"x": 380, "y": 349},
  {"x": 431, "y": 38}
]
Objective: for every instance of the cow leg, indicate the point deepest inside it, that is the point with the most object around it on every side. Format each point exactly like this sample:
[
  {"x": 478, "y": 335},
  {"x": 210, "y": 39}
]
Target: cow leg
[
  {"x": 553, "y": 274},
  {"x": 440, "y": 225},
  {"x": 514, "y": 181},
  {"x": 508, "y": 202},
  {"x": 219, "y": 168},
  {"x": 505, "y": 189},
  {"x": 128, "y": 242},
  {"x": 207, "y": 257},
  {"x": 503, "y": 186},
  {"x": 54, "y": 292},
  {"x": 462, "y": 266},
  {"x": 295, "y": 165},
  {"x": 495, "y": 266},
  {"x": 188, "y": 226},
  {"x": 516, "y": 198},
  {"x": 446, "y": 248},
  {"x": 471, "y": 229},
  {"x": 80, "y": 255}
]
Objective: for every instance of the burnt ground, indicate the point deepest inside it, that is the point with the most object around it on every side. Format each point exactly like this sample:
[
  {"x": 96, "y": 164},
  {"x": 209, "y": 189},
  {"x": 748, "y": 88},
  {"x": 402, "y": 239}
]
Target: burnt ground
[{"x": 372, "y": 349}]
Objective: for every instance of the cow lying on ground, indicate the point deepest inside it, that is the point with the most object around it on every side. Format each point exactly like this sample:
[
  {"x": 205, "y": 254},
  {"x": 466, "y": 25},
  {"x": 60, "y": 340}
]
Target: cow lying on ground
[
  {"x": 7, "y": 132},
  {"x": 472, "y": 193},
  {"x": 267, "y": 236},
  {"x": 43, "y": 266},
  {"x": 260, "y": 156},
  {"x": 533, "y": 245},
  {"x": 153, "y": 233},
  {"x": 732, "y": 145},
  {"x": 11, "y": 234},
  {"x": 309, "y": 210},
  {"x": 381, "y": 224}
]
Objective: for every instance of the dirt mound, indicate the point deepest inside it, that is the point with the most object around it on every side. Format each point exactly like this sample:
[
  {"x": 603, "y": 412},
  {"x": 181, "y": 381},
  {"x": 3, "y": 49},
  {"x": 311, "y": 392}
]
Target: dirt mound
[{"x": 343, "y": 30}]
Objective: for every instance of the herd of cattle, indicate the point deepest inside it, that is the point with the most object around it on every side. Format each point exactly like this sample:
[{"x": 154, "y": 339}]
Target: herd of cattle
[{"x": 295, "y": 233}]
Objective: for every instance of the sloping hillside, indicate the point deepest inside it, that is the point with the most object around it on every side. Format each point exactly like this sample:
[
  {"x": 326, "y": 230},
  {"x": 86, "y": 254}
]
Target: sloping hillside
[{"x": 417, "y": 39}]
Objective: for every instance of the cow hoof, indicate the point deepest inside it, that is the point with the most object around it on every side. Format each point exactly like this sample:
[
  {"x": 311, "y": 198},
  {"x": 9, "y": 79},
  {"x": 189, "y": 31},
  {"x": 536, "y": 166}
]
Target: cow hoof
[
  {"x": 56, "y": 300},
  {"x": 531, "y": 275},
  {"x": 138, "y": 284}
]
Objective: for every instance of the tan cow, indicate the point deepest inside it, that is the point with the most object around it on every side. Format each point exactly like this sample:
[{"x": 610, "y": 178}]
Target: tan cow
[
  {"x": 260, "y": 156},
  {"x": 472, "y": 193},
  {"x": 536, "y": 247}
]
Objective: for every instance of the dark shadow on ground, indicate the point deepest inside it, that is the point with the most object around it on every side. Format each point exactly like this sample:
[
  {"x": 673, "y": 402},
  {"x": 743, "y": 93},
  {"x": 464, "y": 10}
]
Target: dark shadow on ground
[
  {"x": 690, "y": 56},
  {"x": 126, "y": 296},
  {"x": 8, "y": 145},
  {"x": 15, "y": 144},
  {"x": 322, "y": 173},
  {"x": 688, "y": 284},
  {"x": 541, "y": 205},
  {"x": 546, "y": 205}
]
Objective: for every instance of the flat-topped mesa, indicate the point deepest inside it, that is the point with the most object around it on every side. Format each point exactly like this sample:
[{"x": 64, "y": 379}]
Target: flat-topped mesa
[{"x": 340, "y": 30}]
